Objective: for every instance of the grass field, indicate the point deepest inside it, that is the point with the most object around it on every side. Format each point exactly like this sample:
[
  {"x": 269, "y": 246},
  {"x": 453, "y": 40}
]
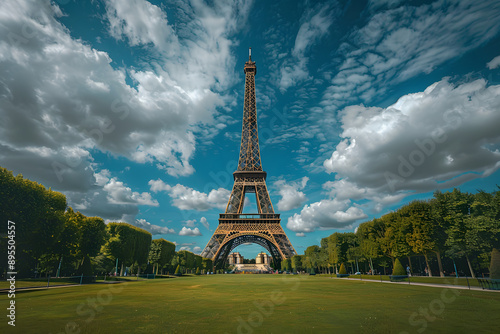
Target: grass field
[
  {"x": 42, "y": 282},
  {"x": 448, "y": 280},
  {"x": 254, "y": 304}
]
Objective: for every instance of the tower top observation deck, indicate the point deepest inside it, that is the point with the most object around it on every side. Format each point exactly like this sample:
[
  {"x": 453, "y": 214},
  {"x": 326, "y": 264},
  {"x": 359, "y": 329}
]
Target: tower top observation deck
[{"x": 250, "y": 65}]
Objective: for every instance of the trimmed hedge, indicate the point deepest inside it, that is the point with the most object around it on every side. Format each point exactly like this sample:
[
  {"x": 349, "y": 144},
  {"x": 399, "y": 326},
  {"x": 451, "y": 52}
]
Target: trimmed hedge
[
  {"x": 398, "y": 269},
  {"x": 495, "y": 264}
]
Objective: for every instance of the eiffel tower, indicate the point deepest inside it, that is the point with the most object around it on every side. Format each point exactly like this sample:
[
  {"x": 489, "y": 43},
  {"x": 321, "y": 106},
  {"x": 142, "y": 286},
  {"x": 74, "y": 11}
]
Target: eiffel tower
[{"x": 262, "y": 228}]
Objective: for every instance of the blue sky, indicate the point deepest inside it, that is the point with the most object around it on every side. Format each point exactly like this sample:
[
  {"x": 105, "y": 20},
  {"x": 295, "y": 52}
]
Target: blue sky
[{"x": 133, "y": 108}]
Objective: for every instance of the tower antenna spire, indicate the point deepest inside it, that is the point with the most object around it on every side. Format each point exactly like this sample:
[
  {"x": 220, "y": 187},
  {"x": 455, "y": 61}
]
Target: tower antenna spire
[{"x": 249, "y": 53}]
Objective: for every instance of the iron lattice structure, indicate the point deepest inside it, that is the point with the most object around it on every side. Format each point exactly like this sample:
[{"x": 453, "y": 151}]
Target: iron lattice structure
[{"x": 262, "y": 228}]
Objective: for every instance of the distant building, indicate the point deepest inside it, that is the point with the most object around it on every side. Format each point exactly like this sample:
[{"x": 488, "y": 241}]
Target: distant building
[
  {"x": 262, "y": 258},
  {"x": 235, "y": 258}
]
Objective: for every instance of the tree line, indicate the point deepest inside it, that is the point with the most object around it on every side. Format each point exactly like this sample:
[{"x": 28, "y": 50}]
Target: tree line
[
  {"x": 453, "y": 231},
  {"x": 52, "y": 239}
]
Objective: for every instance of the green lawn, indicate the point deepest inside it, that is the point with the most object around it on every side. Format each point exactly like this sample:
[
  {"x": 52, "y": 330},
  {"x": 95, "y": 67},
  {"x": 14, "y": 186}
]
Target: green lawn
[
  {"x": 254, "y": 304},
  {"x": 448, "y": 280}
]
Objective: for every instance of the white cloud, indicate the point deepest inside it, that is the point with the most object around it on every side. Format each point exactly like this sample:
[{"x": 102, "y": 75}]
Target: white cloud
[
  {"x": 190, "y": 223},
  {"x": 186, "y": 198},
  {"x": 435, "y": 139},
  {"x": 204, "y": 222},
  {"x": 190, "y": 232},
  {"x": 109, "y": 198},
  {"x": 494, "y": 63},
  {"x": 200, "y": 41},
  {"x": 300, "y": 234},
  {"x": 78, "y": 101},
  {"x": 154, "y": 229},
  {"x": 401, "y": 41},
  {"x": 343, "y": 189},
  {"x": 197, "y": 250},
  {"x": 325, "y": 214},
  {"x": 316, "y": 25},
  {"x": 291, "y": 196},
  {"x": 118, "y": 193},
  {"x": 141, "y": 23}
]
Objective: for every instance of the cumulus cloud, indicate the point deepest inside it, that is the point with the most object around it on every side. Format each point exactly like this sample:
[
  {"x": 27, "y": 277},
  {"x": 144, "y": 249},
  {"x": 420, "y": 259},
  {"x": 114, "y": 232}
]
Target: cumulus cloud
[
  {"x": 204, "y": 222},
  {"x": 494, "y": 63},
  {"x": 291, "y": 196},
  {"x": 186, "y": 231},
  {"x": 325, "y": 214},
  {"x": 67, "y": 100},
  {"x": 118, "y": 193},
  {"x": 186, "y": 198},
  {"x": 197, "y": 250},
  {"x": 154, "y": 229},
  {"x": 109, "y": 198},
  {"x": 435, "y": 139}
]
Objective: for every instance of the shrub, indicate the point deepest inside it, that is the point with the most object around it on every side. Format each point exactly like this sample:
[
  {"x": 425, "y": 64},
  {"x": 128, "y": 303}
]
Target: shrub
[
  {"x": 495, "y": 264},
  {"x": 342, "y": 270},
  {"x": 86, "y": 269},
  {"x": 398, "y": 269}
]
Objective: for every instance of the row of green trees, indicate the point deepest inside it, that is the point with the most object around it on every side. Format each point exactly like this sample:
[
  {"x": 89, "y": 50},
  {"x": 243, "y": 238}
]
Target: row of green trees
[
  {"x": 191, "y": 263},
  {"x": 53, "y": 239},
  {"x": 452, "y": 231}
]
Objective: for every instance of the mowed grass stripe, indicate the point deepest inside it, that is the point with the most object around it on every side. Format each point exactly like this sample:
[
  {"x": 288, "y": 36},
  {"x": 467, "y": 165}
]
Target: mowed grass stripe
[{"x": 219, "y": 304}]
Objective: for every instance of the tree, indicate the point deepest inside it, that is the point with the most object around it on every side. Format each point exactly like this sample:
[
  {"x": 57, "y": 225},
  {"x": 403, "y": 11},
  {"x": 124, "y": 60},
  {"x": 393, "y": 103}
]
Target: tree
[
  {"x": 198, "y": 260},
  {"x": 485, "y": 235},
  {"x": 127, "y": 243},
  {"x": 297, "y": 262},
  {"x": 495, "y": 264},
  {"x": 141, "y": 249},
  {"x": 369, "y": 247},
  {"x": 86, "y": 270},
  {"x": 342, "y": 270},
  {"x": 38, "y": 214},
  {"x": 284, "y": 265},
  {"x": 398, "y": 269},
  {"x": 418, "y": 216},
  {"x": 66, "y": 250},
  {"x": 207, "y": 264},
  {"x": 92, "y": 235},
  {"x": 353, "y": 252},
  {"x": 454, "y": 210},
  {"x": 186, "y": 260},
  {"x": 450, "y": 212},
  {"x": 337, "y": 248},
  {"x": 161, "y": 253},
  {"x": 155, "y": 254},
  {"x": 312, "y": 255},
  {"x": 393, "y": 243}
]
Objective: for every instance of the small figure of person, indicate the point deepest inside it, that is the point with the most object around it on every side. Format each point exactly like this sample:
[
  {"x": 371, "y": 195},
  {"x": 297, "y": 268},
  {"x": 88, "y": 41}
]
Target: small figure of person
[
  {"x": 426, "y": 271},
  {"x": 408, "y": 270}
]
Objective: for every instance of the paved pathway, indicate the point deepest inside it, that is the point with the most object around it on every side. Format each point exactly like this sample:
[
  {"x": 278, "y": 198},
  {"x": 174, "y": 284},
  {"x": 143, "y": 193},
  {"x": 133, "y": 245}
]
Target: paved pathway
[
  {"x": 433, "y": 285},
  {"x": 35, "y": 288}
]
